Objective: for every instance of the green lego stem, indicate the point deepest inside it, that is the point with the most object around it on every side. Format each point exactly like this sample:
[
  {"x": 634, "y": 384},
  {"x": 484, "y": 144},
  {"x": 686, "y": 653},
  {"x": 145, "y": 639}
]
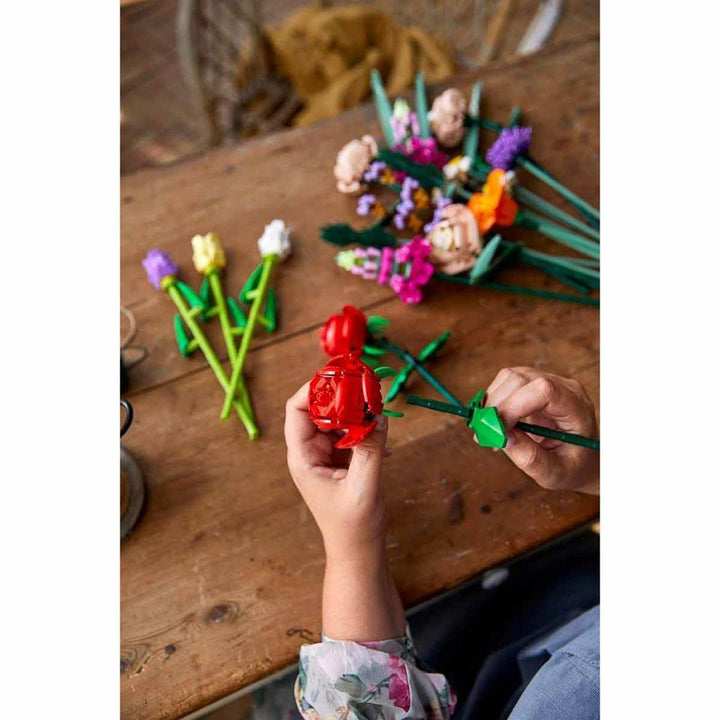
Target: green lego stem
[
  {"x": 520, "y": 290},
  {"x": 243, "y": 411},
  {"x": 467, "y": 413},
  {"x": 565, "y": 437},
  {"x": 382, "y": 106},
  {"x": 459, "y": 409},
  {"x": 259, "y": 295},
  {"x": 408, "y": 358},
  {"x": 213, "y": 275},
  {"x": 532, "y": 221},
  {"x": 421, "y": 106},
  {"x": 548, "y": 179}
]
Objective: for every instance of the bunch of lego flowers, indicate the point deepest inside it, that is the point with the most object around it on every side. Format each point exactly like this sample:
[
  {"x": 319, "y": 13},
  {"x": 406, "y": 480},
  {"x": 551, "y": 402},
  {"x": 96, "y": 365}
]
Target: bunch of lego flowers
[
  {"x": 197, "y": 308},
  {"x": 438, "y": 209}
]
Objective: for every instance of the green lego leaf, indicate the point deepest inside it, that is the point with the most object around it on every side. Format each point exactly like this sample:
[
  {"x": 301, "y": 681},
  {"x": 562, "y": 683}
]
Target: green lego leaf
[
  {"x": 371, "y": 361},
  {"x": 421, "y": 105},
  {"x": 181, "y": 336},
  {"x": 250, "y": 284},
  {"x": 483, "y": 262},
  {"x": 392, "y": 413},
  {"x": 477, "y": 399},
  {"x": 488, "y": 427},
  {"x": 434, "y": 347},
  {"x": 192, "y": 298},
  {"x": 376, "y": 323},
  {"x": 472, "y": 134},
  {"x": 372, "y": 350},
  {"x": 398, "y": 383},
  {"x": 342, "y": 234},
  {"x": 384, "y": 371},
  {"x": 428, "y": 176},
  {"x": 515, "y": 115},
  {"x": 236, "y": 313},
  {"x": 271, "y": 310},
  {"x": 206, "y": 292},
  {"x": 382, "y": 106}
]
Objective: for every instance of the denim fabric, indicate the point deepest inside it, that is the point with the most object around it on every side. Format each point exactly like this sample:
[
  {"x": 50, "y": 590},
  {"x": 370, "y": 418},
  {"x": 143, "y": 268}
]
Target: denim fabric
[{"x": 567, "y": 684}]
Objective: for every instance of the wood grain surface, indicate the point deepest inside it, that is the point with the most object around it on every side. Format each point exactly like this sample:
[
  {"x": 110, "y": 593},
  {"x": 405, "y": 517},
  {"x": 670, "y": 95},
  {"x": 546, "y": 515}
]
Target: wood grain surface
[{"x": 226, "y": 564}]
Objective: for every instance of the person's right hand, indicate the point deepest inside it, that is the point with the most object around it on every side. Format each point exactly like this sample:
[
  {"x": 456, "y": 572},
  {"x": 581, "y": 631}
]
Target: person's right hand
[{"x": 524, "y": 393}]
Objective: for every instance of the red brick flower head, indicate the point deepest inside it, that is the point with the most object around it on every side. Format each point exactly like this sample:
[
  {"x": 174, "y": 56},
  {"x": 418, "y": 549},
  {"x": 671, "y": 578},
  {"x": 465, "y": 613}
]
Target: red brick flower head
[
  {"x": 345, "y": 395},
  {"x": 344, "y": 333}
]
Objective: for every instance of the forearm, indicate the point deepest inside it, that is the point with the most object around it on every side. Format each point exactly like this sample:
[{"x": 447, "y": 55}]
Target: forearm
[{"x": 360, "y": 600}]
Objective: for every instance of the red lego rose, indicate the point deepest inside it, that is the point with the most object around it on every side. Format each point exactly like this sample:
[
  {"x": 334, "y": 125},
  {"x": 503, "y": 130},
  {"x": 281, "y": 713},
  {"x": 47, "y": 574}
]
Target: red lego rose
[
  {"x": 344, "y": 334},
  {"x": 345, "y": 395}
]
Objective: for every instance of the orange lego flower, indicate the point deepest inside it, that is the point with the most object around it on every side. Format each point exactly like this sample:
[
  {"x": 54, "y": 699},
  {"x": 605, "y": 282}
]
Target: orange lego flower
[{"x": 494, "y": 205}]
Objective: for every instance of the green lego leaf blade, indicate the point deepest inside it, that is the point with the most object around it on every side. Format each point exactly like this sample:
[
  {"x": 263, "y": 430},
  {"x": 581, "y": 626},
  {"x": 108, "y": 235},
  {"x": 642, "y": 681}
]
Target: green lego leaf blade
[
  {"x": 472, "y": 134},
  {"x": 384, "y": 371},
  {"x": 236, "y": 313},
  {"x": 485, "y": 258},
  {"x": 376, "y": 323},
  {"x": 181, "y": 336},
  {"x": 398, "y": 383},
  {"x": 434, "y": 347},
  {"x": 382, "y": 106},
  {"x": 342, "y": 234},
  {"x": 477, "y": 399},
  {"x": 372, "y": 350},
  {"x": 428, "y": 176},
  {"x": 206, "y": 292},
  {"x": 371, "y": 361},
  {"x": 251, "y": 283},
  {"x": 421, "y": 105},
  {"x": 392, "y": 413},
  {"x": 193, "y": 299}
]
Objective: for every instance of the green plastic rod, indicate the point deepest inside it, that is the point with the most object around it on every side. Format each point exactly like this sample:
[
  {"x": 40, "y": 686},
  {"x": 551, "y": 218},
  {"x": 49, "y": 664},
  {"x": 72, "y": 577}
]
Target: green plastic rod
[
  {"x": 382, "y": 106},
  {"x": 408, "y": 358},
  {"x": 558, "y": 187},
  {"x": 213, "y": 275},
  {"x": 530, "y": 220},
  {"x": 210, "y": 356},
  {"x": 268, "y": 264},
  {"x": 565, "y": 437}
]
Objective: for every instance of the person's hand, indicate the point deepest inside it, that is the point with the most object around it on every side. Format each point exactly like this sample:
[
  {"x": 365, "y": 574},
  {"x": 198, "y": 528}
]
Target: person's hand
[
  {"x": 523, "y": 393},
  {"x": 340, "y": 487}
]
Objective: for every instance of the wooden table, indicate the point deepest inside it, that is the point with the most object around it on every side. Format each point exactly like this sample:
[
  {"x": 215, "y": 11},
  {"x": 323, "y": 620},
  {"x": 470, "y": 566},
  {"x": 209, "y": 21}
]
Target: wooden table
[{"x": 227, "y": 562}]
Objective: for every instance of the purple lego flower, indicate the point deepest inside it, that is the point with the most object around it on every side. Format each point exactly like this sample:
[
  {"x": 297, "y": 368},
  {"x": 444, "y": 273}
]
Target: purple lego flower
[
  {"x": 440, "y": 204},
  {"x": 510, "y": 145},
  {"x": 365, "y": 203},
  {"x": 373, "y": 172},
  {"x": 403, "y": 209},
  {"x": 158, "y": 265},
  {"x": 409, "y": 186}
]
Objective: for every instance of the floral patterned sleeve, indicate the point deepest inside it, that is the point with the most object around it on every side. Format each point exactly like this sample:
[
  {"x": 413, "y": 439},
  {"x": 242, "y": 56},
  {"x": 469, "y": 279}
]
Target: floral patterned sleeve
[{"x": 369, "y": 681}]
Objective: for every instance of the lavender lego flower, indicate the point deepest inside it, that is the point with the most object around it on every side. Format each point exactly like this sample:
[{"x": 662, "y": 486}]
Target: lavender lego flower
[
  {"x": 373, "y": 172},
  {"x": 158, "y": 265},
  {"x": 409, "y": 186},
  {"x": 510, "y": 145},
  {"x": 403, "y": 209},
  {"x": 440, "y": 204},
  {"x": 365, "y": 203}
]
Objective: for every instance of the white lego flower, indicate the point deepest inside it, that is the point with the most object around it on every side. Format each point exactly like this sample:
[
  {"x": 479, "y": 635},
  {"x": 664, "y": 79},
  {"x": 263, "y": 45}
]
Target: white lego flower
[
  {"x": 275, "y": 240},
  {"x": 458, "y": 165}
]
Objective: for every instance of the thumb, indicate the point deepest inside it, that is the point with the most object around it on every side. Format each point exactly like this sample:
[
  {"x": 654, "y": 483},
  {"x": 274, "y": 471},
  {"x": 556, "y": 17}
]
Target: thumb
[
  {"x": 533, "y": 459},
  {"x": 367, "y": 457}
]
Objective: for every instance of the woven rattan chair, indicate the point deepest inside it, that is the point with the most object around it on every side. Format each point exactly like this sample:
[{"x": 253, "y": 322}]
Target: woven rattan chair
[{"x": 226, "y": 59}]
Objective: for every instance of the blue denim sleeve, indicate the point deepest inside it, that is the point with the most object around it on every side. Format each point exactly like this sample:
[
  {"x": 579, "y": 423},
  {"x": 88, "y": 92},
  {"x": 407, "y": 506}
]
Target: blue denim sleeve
[{"x": 567, "y": 685}]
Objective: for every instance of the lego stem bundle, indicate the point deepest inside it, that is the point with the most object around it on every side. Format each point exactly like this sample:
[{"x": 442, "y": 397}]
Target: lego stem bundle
[
  {"x": 446, "y": 221},
  {"x": 194, "y": 308}
]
